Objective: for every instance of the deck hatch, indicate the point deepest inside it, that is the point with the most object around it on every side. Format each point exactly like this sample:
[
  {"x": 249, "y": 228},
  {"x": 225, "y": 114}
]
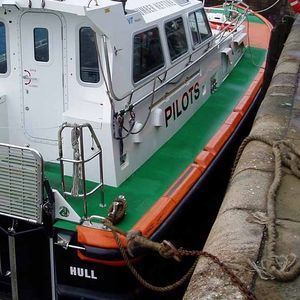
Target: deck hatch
[{"x": 21, "y": 183}]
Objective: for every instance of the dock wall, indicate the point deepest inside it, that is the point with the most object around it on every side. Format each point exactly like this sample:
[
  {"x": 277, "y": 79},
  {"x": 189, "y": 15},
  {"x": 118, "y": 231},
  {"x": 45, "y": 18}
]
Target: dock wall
[{"x": 234, "y": 238}]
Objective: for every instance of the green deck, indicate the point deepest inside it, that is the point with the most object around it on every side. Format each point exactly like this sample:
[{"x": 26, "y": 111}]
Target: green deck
[{"x": 150, "y": 181}]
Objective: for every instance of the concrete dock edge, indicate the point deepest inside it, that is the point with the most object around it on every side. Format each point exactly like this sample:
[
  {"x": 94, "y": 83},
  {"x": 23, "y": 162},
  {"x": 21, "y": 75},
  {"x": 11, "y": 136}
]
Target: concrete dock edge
[{"x": 235, "y": 240}]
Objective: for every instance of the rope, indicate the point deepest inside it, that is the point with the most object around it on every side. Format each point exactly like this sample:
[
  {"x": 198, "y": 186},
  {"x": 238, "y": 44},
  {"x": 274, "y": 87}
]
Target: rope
[
  {"x": 167, "y": 250},
  {"x": 242, "y": 147},
  {"x": 267, "y": 8},
  {"x": 279, "y": 267},
  {"x": 234, "y": 279},
  {"x": 140, "y": 279},
  {"x": 117, "y": 210},
  {"x": 75, "y": 134},
  {"x": 96, "y": 3}
]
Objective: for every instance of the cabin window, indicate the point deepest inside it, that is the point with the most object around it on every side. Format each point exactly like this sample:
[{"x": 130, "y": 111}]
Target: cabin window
[
  {"x": 89, "y": 67},
  {"x": 176, "y": 38},
  {"x": 199, "y": 27},
  {"x": 41, "y": 44},
  {"x": 147, "y": 54},
  {"x": 3, "y": 54}
]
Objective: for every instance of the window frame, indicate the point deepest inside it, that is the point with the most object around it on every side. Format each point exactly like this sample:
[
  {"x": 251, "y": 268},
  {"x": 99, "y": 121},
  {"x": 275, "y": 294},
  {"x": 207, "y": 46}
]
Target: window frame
[
  {"x": 34, "y": 49},
  {"x": 144, "y": 79},
  {"x": 6, "y": 74},
  {"x": 186, "y": 38},
  {"x": 78, "y": 61},
  {"x": 209, "y": 38}
]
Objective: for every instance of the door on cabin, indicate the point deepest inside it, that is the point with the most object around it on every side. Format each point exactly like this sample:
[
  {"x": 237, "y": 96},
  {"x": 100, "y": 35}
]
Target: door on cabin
[{"x": 42, "y": 80}]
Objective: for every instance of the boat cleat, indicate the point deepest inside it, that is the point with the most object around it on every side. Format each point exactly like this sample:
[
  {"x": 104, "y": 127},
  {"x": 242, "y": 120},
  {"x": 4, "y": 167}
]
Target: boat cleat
[{"x": 97, "y": 225}]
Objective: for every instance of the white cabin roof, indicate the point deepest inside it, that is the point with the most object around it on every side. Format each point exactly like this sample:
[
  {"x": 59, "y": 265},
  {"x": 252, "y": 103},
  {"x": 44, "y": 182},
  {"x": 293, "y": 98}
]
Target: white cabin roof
[{"x": 150, "y": 10}]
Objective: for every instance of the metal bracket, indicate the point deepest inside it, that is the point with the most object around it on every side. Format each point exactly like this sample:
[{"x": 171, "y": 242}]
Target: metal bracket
[
  {"x": 63, "y": 210},
  {"x": 63, "y": 240}
]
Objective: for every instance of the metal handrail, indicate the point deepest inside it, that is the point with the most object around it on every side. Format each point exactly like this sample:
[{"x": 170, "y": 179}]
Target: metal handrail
[{"x": 82, "y": 162}]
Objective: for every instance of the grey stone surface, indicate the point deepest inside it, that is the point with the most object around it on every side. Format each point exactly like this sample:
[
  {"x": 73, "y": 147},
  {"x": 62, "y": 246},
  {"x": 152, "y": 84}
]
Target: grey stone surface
[
  {"x": 233, "y": 238},
  {"x": 287, "y": 66},
  {"x": 246, "y": 191},
  {"x": 271, "y": 126}
]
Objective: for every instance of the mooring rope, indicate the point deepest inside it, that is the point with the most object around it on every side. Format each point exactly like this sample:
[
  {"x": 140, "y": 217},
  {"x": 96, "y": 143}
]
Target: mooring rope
[
  {"x": 167, "y": 250},
  {"x": 117, "y": 210},
  {"x": 279, "y": 267},
  {"x": 267, "y": 8}
]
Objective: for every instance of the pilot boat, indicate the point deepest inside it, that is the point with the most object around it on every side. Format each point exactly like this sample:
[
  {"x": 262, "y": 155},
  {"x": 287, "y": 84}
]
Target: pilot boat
[{"x": 115, "y": 110}]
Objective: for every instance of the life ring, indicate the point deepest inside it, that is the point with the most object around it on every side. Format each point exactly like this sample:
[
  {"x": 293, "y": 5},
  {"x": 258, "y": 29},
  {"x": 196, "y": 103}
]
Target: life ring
[{"x": 295, "y": 4}]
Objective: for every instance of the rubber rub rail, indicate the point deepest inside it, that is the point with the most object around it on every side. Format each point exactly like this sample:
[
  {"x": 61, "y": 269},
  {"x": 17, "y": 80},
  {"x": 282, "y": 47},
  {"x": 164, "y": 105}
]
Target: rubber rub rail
[{"x": 174, "y": 195}]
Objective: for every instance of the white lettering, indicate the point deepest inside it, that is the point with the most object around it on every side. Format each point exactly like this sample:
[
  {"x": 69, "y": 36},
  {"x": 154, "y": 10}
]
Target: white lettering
[
  {"x": 80, "y": 272},
  {"x": 73, "y": 271},
  {"x": 93, "y": 275},
  {"x": 86, "y": 274}
]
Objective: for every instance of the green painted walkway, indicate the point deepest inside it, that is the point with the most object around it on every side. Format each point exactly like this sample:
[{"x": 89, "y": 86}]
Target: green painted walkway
[{"x": 150, "y": 181}]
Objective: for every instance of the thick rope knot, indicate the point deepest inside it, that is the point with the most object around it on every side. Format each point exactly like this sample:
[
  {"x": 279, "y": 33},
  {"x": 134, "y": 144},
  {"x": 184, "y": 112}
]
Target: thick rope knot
[
  {"x": 279, "y": 267},
  {"x": 135, "y": 241},
  {"x": 132, "y": 245},
  {"x": 168, "y": 250},
  {"x": 117, "y": 210},
  {"x": 284, "y": 267}
]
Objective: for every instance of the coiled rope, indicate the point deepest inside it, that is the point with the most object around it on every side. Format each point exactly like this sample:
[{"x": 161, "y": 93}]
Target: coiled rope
[{"x": 274, "y": 266}]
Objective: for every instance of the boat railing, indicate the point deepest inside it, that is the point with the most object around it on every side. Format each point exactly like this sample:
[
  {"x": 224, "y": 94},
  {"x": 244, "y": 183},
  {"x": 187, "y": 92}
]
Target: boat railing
[
  {"x": 79, "y": 162},
  {"x": 21, "y": 183},
  {"x": 210, "y": 43},
  {"x": 231, "y": 8}
]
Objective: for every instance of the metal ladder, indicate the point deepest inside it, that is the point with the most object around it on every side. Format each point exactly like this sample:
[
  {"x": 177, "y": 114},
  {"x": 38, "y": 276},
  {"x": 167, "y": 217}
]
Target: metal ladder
[{"x": 81, "y": 161}]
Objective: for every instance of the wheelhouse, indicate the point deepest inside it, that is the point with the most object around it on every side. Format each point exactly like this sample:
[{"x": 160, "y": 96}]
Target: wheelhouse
[{"x": 103, "y": 75}]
